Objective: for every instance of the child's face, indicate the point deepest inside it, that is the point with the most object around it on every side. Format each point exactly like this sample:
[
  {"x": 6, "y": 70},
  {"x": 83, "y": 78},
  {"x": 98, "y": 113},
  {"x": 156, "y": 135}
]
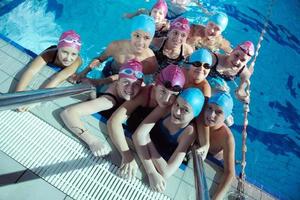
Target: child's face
[
  {"x": 214, "y": 115},
  {"x": 164, "y": 96},
  {"x": 238, "y": 58},
  {"x": 67, "y": 55},
  {"x": 177, "y": 37},
  {"x": 181, "y": 112},
  {"x": 140, "y": 41},
  {"x": 158, "y": 15},
  {"x": 212, "y": 30},
  {"x": 128, "y": 88},
  {"x": 198, "y": 74}
]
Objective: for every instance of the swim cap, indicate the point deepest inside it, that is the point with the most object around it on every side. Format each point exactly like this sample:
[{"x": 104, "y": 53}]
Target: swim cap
[
  {"x": 247, "y": 47},
  {"x": 223, "y": 100},
  {"x": 132, "y": 69},
  {"x": 181, "y": 24},
  {"x": 194, "y": 97},
  {"x": 220, "y": 19},
  {"x": 172, "y": 77},
  {"x": 143, "y": 23},
  {"x": 201, "y": 55},
  {"x": 69, "y": 39},
  {"x": 161, "y": 4}
]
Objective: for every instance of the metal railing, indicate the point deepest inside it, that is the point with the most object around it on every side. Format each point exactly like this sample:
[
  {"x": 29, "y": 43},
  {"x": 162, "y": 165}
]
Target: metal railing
[
  {"x": 202, "y": 192},
  {"x": 18, "y": 99}
]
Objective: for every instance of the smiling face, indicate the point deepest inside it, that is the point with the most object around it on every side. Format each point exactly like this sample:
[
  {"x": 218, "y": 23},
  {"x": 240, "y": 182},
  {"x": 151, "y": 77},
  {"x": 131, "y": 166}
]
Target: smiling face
[
  {"x": 214, "y": 115},
  {"x": 67, "y": 55},
  {"x": 140, "y": 41},
  {"x": 128, "y": 88},
  {"x": 238, "y": 58},
  {"x": 176, "y": 38},
  {"x": 164, "y": 97},
  {"x": 198, "y": 74},
  {"x": 181, "y": 112},
  {"x": 212, "y": 30},
  {"x": 158, "y": 15}
]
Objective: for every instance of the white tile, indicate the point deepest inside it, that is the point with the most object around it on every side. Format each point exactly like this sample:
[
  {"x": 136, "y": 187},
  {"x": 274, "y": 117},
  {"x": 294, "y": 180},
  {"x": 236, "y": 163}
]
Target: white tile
[
  {"x": 172, "y": 186},
  {"x": 16, "y": 53},
  {"x": 186, "y": 192},
  {"x": 8, "y": 83},
  {"x": 9, "y": 64},
  {"x": 2, "y": 43}
]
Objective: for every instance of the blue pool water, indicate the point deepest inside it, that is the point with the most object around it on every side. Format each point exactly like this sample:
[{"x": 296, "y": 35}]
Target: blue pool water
[{"x": 273, "y": 157}]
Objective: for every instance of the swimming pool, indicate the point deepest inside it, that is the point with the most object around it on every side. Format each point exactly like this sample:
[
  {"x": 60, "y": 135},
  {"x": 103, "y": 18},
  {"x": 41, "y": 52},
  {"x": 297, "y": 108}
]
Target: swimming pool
[{"x": 273, "y": 155}]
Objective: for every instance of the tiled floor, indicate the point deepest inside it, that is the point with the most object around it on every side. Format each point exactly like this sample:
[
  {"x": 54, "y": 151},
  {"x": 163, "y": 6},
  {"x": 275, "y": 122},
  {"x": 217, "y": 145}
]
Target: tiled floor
[{"x": 22, "y": 184}]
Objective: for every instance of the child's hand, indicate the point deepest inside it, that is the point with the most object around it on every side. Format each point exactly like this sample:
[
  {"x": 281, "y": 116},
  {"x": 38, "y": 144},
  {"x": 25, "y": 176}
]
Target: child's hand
[
  {"x": 94, "y": 63},
  {"x": 202, "y": 151}
]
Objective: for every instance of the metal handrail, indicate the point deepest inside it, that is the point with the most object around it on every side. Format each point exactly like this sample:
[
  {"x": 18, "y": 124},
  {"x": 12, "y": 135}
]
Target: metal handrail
[
  {"x": 14, "y": 100},
  {"x": 202, "y": 192}
]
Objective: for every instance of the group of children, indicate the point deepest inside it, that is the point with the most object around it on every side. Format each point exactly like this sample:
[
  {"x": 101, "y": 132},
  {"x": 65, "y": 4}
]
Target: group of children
[{"x": 186, "y": 100}]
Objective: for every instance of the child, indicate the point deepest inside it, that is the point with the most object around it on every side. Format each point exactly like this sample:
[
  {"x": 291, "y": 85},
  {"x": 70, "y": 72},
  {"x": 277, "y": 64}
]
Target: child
[
  {"x": 159, "y": 12},
  {"x": 125, "y": 89},
  {"x": 142, "y": 32},
  {"x": 64, "y": 55},
  {"x": 221, "y": 139},
  {"x": 210, "y": 36},
  {"x": 173, "y": 49},
  {"x": 229, "y": 67},
  {"x": 168, "y": 85},
  {"x": 162, "y": 143}
]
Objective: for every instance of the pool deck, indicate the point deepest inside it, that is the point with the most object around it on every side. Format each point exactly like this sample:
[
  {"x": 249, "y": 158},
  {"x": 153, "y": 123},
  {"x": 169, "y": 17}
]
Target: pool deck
[{"x": 19, "y": 182}]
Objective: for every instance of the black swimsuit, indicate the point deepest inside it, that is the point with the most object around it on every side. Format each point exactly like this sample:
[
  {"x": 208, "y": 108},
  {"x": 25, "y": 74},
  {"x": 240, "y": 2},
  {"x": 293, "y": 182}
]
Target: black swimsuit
[
  {"x": 164, "y": 61},
  {"x": 214, "y": 73},
  {"x": 109, "y": 112},
  {"x": 139, "y": 114}
]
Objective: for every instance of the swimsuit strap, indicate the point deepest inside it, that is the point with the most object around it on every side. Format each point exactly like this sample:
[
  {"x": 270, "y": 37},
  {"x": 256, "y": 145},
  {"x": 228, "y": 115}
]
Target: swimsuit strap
[
  {"x": 111, "y": 95},
  {"x": 149, "y": 96},
  {"x": 217, "y": 61}
]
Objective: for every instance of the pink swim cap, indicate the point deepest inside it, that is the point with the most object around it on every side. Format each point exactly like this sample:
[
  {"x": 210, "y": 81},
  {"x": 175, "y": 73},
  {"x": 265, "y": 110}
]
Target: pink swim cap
[
  {"x": 247, "y": 47},
  {"x": 172, "y": 77},
  {"x": 69, "y": 39},
  {"x": 161, "y": 4},
  {"x": 132, "y": 69},
  {"x": 181, "y": 24}
]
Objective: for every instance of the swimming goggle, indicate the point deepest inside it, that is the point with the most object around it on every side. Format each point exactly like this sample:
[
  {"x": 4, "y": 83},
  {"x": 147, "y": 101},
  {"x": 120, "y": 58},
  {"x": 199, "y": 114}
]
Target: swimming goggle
[
  {"x": 175, "y": 88},
  {"x": 186, "y": 27},
  {"x": 200, "y": 64},
  {"x": 70, "y": 40},
  {"x": 130, "y": 72},
  {"x": 247, "y": 50}
]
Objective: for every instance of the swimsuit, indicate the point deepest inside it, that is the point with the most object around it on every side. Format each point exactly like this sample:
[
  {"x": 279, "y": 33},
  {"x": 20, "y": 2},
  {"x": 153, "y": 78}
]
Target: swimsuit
[
  {"x": 139, "y": 114},
  {"x": 164, "y": 142},
  {"x": 214, "y": 73},
  {"x": 109, "y": 112},
  {"x": 164, "y": 61}
]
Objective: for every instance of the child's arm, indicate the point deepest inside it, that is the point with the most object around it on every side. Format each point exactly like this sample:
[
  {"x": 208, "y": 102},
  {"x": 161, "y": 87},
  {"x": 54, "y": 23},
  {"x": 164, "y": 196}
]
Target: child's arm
[
  {"x": 34, "y": 67},
  {"x": 138, "y": 12},
  {"x": 167, "y": 169},
  {"x": 229, "y": 170},
  {"x": 108, "y": 52},
  {"x": 141, "y": 139},
  {"x": 64, "y": 74}
]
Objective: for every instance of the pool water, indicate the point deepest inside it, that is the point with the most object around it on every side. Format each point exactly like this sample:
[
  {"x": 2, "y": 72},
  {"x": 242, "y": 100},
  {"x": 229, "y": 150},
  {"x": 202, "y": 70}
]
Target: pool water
[{"x": 273, "y": 156}]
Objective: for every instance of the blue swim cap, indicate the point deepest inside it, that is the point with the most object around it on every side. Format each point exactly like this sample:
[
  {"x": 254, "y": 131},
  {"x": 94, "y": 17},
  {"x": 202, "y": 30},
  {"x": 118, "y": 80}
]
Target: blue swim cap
[
  {"x": 194, "y": 97},
  {"x": 144, "y": 23},
  {"x": 220, "y": 19},
  {"x": 223, "y": 100},
  {"x": 201, "y": 55}
]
